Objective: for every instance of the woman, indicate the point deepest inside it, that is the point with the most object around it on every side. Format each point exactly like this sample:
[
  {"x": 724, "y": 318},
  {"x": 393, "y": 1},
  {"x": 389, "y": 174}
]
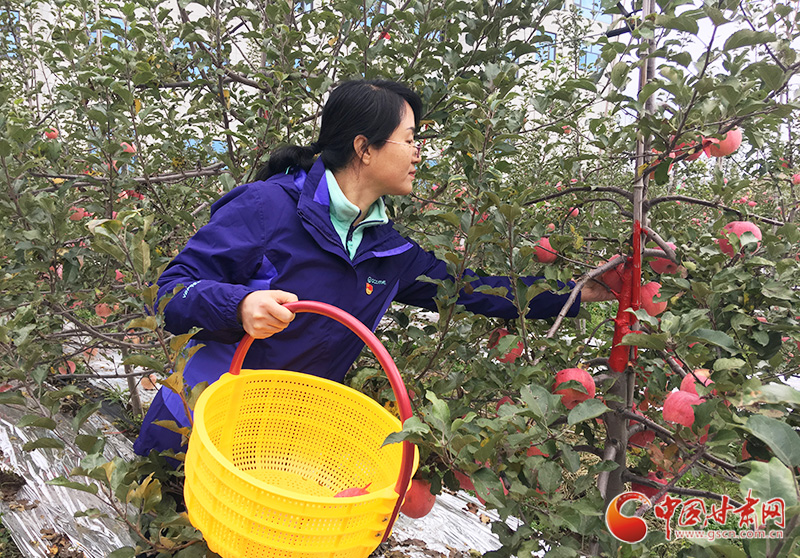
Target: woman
[{"x": 313, "y": 230}]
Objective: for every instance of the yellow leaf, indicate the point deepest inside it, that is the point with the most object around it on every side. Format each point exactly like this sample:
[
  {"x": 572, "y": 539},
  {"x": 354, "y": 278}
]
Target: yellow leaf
[
  {"x": 174, "y": 382},
  {"x": 137, "y": 105}
]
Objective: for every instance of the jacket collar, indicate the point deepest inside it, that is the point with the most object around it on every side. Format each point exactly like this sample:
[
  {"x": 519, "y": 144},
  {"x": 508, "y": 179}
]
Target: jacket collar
[{"x": 313, "y": 207}]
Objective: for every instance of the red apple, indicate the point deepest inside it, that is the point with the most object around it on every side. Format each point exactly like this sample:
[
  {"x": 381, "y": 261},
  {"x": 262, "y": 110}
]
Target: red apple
[
  {"x": 418, "y": 501},
  {"x": 464, "y": 481},
  {"x": 738, "y": 228},
  {"x": 570, "y": 397},
  {"x": 725, "y": 146},
  {"x": 355, "y": 491},
  {"x": 694, "y": 149},
  {"x": 566, "y": 129},
  {"x": 689, "y": 383},
  {"x": 796, "y": 179},
  {"x": 664, "y": 265},
  {"x": 551, "y": 227},
  {"x": 533, "y": 450},
  {"x": 128, "y": 147},
  {"x": 573, "y": 212},
  {"x": 544, "y": 252},
  {"x": 503, "y": 400},
  {"x": 650, "y": 291},
  {"x": 78, "y": 213},
  {"x": 52, "y": 133},
  {"x": 678, "y": 407},
  {"x": 511, "y": 355}
]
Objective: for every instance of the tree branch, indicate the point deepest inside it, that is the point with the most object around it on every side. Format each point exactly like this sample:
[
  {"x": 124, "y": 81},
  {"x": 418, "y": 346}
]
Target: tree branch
[{"x": 715, "y": 205}]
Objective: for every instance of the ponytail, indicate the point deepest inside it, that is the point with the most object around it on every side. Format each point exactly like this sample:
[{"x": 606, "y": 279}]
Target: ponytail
[
  {"x": 287, "y": 157},
  {"x": 371, "y": 108}
]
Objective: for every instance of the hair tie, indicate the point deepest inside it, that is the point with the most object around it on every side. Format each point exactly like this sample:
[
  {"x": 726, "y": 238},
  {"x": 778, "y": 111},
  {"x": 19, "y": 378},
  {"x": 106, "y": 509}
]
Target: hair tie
[{"x": 316, "y": 147}]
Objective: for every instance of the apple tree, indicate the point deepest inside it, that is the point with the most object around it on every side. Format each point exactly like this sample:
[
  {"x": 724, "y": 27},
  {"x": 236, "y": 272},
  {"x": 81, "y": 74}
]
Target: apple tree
[{"x": 573, "y": 155}]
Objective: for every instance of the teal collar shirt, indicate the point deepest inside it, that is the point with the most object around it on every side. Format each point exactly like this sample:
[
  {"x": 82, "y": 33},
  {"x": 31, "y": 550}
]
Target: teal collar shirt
[{"x": 344, "y": 213}]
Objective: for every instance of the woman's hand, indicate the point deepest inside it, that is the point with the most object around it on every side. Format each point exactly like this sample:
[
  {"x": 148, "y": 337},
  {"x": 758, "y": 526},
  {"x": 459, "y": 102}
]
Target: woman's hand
[
  {"x": 594, "y": 291},
  {"x": 262, "y": 313}
]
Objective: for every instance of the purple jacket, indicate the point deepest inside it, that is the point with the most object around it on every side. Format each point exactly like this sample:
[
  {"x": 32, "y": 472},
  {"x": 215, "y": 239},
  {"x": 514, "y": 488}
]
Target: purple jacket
[{"x": 278, "y": 235}]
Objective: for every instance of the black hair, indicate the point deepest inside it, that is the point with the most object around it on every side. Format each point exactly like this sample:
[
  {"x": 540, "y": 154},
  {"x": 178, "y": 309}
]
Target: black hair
[{"x": 371, "y": 108}]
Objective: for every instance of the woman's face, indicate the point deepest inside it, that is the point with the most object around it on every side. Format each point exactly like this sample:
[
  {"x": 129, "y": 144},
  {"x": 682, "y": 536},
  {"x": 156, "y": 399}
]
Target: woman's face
[{"x": 393, "y": 164}]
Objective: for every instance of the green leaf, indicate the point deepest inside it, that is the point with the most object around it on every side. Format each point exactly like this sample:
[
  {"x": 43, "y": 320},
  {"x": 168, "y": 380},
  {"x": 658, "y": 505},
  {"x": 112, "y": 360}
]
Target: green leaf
[
  {"x": 37, "y": 421},
  {"x": 89, "y": 443},
  {"x": 84, "y": 413},
  {"x": 715, "y": 15},
  {"x": 12, "y": 398},
  {"x": 682, "y": 22},
  {"x": 770, "y": 480},
  {"x": 488, "y": 485},
  {"x": 549, "y": 476},
  {"x": 141, "y": 256},
  {"x": 782, "y": 439},
  {"x": 728, "y": 364},
  {"x": 43, "y": 443},
  {"x": 144, "y": 361},
  {"x": 618, "y": 74},
  {"x": 748, "y": 37},
  {"x": 439, "y": 411},
  {"x": 772, "y": 393},
  {"x": 773, "y": 289},
  {"x": 656, "y": 341},
  {"x": 570, "y": 458},
  {"x": 61, "y": 481},
  {"x": 718, "y": 338},
  {"x": 101, "y": 245},
  {"x": 771, "y": 75},
  {"x": 536, "y": 399},
  {"x": 126, "y": 552},
  {"x": 412, "y": 426},
  {"x": 586, "y": 410}
]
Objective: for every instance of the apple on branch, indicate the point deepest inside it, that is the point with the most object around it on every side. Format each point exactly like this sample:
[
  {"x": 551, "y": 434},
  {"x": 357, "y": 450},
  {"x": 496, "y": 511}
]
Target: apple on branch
[
  {"x": 511, "y": 355},
  {"x": 649, "y": 291},
  {"x": 664, "y": 265},
  {"x": 544, "y": 252},
  {"x": 729, "y": 143},
  {"x": 570, "y": 397},
  {"x": 418, "y": 501},
  {"x": 738, "y": 228},
  {"x": 679, "y": 407}
]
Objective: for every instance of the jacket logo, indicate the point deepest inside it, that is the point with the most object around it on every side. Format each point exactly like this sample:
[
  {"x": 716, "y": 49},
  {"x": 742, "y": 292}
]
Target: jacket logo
[
  {"x": 369, "y": 289},
  {"x": 376, "y": 281}
]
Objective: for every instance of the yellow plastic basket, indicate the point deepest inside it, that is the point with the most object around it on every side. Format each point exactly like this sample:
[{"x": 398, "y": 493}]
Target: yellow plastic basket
[{"x": 270, "y": 448}]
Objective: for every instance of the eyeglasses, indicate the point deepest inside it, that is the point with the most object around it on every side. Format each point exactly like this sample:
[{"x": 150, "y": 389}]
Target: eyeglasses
[{"x": 415, "y": 146}]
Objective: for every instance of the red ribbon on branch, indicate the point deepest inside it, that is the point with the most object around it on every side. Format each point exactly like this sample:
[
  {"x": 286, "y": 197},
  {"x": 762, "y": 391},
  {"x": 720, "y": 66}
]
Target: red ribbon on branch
[{"x": 630, "y": 296}]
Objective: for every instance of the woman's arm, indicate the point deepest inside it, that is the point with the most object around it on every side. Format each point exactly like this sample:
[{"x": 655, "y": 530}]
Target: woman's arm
[
  {"x": 215, "y": 267},
  {"x": 421, "y": 293}
]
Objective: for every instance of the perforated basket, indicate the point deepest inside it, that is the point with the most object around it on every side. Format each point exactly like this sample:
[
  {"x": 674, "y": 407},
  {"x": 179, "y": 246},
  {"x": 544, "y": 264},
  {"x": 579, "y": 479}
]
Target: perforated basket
[{"x": 270, "y": 448}]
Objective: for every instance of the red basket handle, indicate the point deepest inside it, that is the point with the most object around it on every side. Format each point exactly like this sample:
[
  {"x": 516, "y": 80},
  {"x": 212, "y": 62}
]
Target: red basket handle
[{"x": 398, "y": 386}]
